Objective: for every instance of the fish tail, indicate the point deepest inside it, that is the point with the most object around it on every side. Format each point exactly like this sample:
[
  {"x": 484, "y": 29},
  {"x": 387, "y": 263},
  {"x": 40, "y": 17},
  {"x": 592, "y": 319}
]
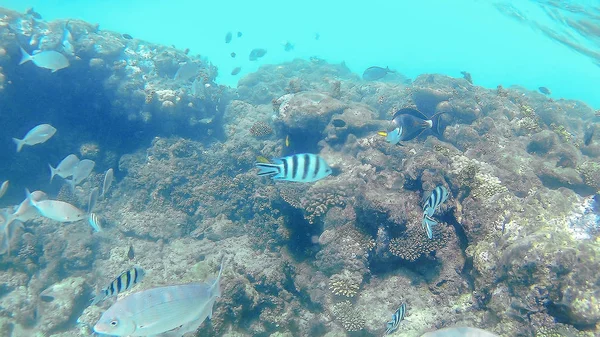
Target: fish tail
[
  {"x": 436, "y": 125},
  {"x": 268, "y": 169},
  {"x": 52, "y": 172},
  {"x": 25, "y": 57},
  {"x": 20, "y": 143}
]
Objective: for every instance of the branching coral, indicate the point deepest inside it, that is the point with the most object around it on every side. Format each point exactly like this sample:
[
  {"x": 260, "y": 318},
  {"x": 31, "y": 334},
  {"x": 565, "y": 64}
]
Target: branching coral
[
  {"x": 415, "y": 243},
  {"x": 470, "y": 174},
  {"x": 345, "y": 283},
  {"x": 318, "y": 204},
  {"x": 350, "y": 317}
]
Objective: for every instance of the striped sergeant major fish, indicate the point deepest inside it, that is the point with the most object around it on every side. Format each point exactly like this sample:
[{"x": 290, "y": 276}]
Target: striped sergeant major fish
[
  {"x": 123, "y": 282},
  {"x": 438, "y": 196},
  {"x": 397, "y": 317},
  {"x": 303, "y": 168}
]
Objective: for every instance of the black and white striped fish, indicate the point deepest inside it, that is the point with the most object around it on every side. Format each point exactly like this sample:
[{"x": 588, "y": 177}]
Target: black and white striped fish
[
  {"x": 123, "y": 282},
  {"x": 438, "y": 196},
  {"x": 95, "y": 222},
  {"x": 303, "y": 167},
  {"x": 397, "y": 317}
]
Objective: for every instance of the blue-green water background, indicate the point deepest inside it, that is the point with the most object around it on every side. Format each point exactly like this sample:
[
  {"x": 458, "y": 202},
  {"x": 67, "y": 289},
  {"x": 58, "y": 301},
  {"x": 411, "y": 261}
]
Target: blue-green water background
[{"x": 413, "y": 37}]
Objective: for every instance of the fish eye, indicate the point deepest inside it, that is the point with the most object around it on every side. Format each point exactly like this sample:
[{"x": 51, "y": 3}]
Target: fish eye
[{"x": 114, "y": 322}]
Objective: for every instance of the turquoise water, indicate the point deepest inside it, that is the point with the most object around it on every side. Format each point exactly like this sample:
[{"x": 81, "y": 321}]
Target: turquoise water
[{"x": 416, "y": 37}]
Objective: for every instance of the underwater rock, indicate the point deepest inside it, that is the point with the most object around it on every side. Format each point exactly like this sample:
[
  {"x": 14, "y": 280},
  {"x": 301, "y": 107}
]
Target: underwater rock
[
  {"x": 307, "y": 110},
  {"x": 60, "y": 304},
  {"x": 357, "y": 119}
]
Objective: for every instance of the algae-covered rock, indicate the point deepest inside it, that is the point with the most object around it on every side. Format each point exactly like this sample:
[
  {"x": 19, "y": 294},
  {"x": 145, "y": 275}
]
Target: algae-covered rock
[{"x": 307, "y": 110}]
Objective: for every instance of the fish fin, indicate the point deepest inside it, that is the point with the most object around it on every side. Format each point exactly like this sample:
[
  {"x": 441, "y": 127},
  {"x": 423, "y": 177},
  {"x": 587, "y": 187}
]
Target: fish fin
[
  {"x": 382, "y": 133},
  {"x": 268, "y": 169},
  {"x": 19, "y": 143},
  {"x": 436, "y": 126},
  {"x": 25, "y": 57}
]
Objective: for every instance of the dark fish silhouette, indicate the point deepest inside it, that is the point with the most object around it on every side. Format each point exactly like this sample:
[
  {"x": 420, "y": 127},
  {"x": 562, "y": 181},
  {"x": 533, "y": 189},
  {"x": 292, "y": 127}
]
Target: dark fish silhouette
[
  {"x": 239, "y": 34},
  {"x": 257, "y": 53},
  {"x": 288, "y": 46},
  {"x": 589, "y": 136},
  {"x": 375, "y": 73},
  {"x": 545, "y": 91},
  {"x": 467, "y": 76},
  {"x": 228, "y": 37},
  {"x": 236, "y": 71},
  {"x": 409, "y": 124},
  {"x": 130, "y": 253},
  {"x": 127, "y": 36},
  {"x": 233, "y": 54},
  {"x": 317, "y": 36},
  {"x": 33, "y": 13}
]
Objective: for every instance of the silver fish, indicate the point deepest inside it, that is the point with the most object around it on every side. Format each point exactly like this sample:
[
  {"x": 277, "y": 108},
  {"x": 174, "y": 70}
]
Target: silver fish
[
  {"x": 121, "y": 283},
  {"x": 37, "y": 135},
  {"x": 67, "y": 38},
  {"x": 186, "y": 71},
  {"x": 94, "y": 221},
  {"x": 178, "y": 309},
  {"x": 303, "y": 167},
  {"x": 3, "y": 188},
  {"x": 460, "y": 332},
  {"x": 397, "y": 317},
  {"x": 65, "y": 168},
  {"x": 48, "y": 59},
  {"x": 108, "y": 179},
  {"x": 25, "y": 211},
  {"x": 57, "y": 210},
  {"x": 81, "y": 171},
  {"x": 92, "y": 200}
]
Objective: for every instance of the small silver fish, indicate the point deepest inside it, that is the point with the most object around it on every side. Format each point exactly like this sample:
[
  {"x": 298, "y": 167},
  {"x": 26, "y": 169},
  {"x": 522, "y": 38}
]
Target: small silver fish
[
  {"x": 25, "y": 211},
  {"x": 397, "y": 317},
  {"x": 178, "y": 309},
  {"x": 108, "y": 179},
  {"x": 121, "y": 283},
  {"x": 48, "y": 59},
  {"x": 37, "y": 135},
  {"x": 3, "y": 188},
  {"x": 92, "y": 200},
  {"x": 65, "y": 168},
  {"x": 81, "y": 171},
  {"x": 94, "y": 221},
  {"x": 67, "y": 38},
  {"x": 186, "y": 71}
]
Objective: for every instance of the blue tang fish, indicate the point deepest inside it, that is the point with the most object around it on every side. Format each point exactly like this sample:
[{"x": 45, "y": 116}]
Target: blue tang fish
[
  {"x": 170, "y": 311},
  {"x": 409, "y": 123}
]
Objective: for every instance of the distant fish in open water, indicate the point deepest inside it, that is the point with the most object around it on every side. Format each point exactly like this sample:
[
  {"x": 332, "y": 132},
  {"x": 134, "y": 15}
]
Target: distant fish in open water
[
  {"x": 239, "y": 34},
  {"x": 177, "y": 309},
  {"x": 48, "y": 59},
  {"x": 233, "y": 54},
  {"x": 257, "y": 53},
  {"x": 375, "y": 73},
  {"x": 3, "y": 188},
  {"x": 545, "y": 91},
  {"x": 37, "y": 135},
  {"x": 236, "y": 71},
  {"x": 127, "y": 36},
  {"x": 228, "y": 37}
]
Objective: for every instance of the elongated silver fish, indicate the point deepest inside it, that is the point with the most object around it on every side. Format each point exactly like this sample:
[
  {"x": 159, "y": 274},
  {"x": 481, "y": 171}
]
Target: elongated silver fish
[
  {"x": 108, "y": 179},
  {"x": 95, "y": 222},
  {"x": 186, "y": 71},
  {"x": 127, "y": 280},
  {"x": 397, "y": 317},
  {"x": 177, "y": 309},
  {"x": 48, "y": 59},
  {"x": 65, "y": 168},
  {"x": 460, "y": 332},
  {"x": 37, "y": 135},
  {"x": 93, "y": 199},
  {"x": 304, "y": 168},
  {"x": 3, "y": 188}
]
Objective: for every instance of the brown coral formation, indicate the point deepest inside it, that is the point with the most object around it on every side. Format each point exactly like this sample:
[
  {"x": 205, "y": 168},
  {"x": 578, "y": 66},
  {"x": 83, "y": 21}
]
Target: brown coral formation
[{"x": 350, "y": 318}]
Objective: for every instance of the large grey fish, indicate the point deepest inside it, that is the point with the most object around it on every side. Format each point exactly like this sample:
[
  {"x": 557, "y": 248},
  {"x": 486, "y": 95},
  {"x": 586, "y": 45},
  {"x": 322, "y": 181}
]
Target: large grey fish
[
  {"x": 438, "y": 196},
  {"x": 303, "y": 167},
  {"x": 375, "y": 73},
  {"x": 108, "y": 179},
  {"x": 176, "y": 309},
  {"x": 25, "y": 211},
  {"x": 459, "y": 332},
  {"x": 93, "y": 199},
  {"x": 257, "y": 53},
  {"x": 57, "y": 210},
  {"x": 3, "y": 188},
  {"x": 121, "y": 283},
  {"x": 409, "y": 124},
  {"x": 186, "y": 71},
  {"x": 37, "y": 135},
  {"x": 48, "y": 59},
  {"x": 65, "y": 168}
]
